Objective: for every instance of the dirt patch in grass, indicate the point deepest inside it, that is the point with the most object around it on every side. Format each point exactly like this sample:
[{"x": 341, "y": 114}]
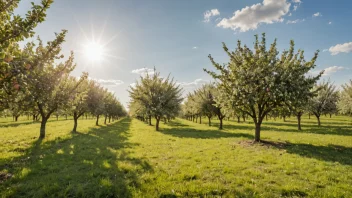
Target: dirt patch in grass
[
  {"x": 268, "y": 144},
  {"x": 4, "y": 176}
]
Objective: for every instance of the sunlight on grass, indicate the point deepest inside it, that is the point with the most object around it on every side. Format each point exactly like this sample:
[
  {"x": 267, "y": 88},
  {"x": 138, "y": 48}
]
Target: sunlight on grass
[
  {"x": 60, "y": 151},
  {"x": 24, "y": 173},
  {"x": 106, "y": 164},
  {"x": 185, "y": 159}
]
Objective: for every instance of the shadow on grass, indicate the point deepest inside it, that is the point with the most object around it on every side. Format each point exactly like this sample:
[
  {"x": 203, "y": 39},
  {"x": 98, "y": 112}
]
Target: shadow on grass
[
  {"x": 27, "y": 122},
  {"x": 330, "y": 153},
  {"x": 343, "y": 130},
  {"x": 93, "y": 164},
  {"x": 186, "y": 131}
]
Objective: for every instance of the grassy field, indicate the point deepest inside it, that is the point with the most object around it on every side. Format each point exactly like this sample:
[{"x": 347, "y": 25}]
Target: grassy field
[{"x": 130, "y": 159}]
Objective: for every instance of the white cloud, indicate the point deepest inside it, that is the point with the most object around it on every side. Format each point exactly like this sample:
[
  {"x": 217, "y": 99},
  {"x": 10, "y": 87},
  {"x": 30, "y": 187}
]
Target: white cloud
[
  {"x": 210, "y": 13},
  {"x": 317, "y": 14},
  {"x": 217, "y": 19},
  {"x": 325, "y": 50},
  {"x": 196, "y": 82},
  {"x": 249, "y": 18},
  {"x": 341, "y": 48},
  {"x": 295, "y": 7},
  {"x": 133, "y": 85},
  {"x": 330, "y": 23},
  {"x": 143, "y": 71},
  {"x": 108, "y": 82},
  {"x": 295, "y": 21},
  {"x": 296, "y": 1},
  {"x": 290, "y": 14},
  {"x": 195, "y": 47},
  {"x": 330, "y": 70}
]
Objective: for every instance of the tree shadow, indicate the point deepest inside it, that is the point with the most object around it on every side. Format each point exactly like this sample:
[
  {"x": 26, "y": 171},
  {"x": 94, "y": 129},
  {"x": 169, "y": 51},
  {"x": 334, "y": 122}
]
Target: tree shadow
[
  {"x": 186, "y": 131},
  {"x": 94, "y": 164},
  {"x": 27, "y": 122},
  {"x": 330, "y": 153},
  {"x": 344, "y": 130}
]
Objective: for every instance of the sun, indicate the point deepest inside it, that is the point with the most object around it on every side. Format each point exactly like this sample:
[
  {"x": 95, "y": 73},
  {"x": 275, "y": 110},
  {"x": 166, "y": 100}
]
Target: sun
[{"x": 94, "y": 51}]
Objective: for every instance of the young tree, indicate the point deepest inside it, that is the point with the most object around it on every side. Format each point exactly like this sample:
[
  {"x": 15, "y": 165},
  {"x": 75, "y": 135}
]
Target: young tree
[
  {"x": 49, "y": 85},
  {"x": 206, "y": 100},
  {"x": 78, "y": 103},
  {"x": 259, "y": 81},
  {"x": 209, "y": 103},
  {"x": 324, "y": 100},
  {"x": 160, "y": 96},
  {"x": 109, "y": 103},
  {"x": 345, "y": 102},
  {"x": 95, "y": 100}
]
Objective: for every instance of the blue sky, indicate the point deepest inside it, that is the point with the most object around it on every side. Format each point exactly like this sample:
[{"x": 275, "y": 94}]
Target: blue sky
[{"x": 177, "y": 36}]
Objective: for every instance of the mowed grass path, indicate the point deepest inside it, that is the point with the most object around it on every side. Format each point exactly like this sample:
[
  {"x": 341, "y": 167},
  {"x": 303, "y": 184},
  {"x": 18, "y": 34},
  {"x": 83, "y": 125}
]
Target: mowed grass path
[{"x": 130, "y": 159}]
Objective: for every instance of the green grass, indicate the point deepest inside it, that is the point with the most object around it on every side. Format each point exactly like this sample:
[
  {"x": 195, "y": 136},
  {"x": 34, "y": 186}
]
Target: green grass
[{"x": 128, "y": 158}]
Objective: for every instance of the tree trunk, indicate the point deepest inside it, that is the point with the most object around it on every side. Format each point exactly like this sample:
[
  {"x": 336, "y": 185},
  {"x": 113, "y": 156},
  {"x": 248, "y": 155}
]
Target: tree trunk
[
  {"x": 209, "y": 123},
  {"x": 57, "y": 117},
  {"x": 75, "y": 118},
  {"x": 266, "y": 117},
  {"x": 109, "y": 118},
  {"x": 318, "y": 117},
  {"x": 74, "y": 125},
  {"x": 42, "y": 128},
  {"x": 196, "y": 119},
  {"x": 330, "y": 115},
  {"x": 66, "y": 116},
  {"x": 200, "y": 119},
  {"x": 299, "y": 122},
  {"x": 157, "y": 124},
  {"x": 308, "y": 115},
  {"x": 16, "y": 118},
  {"x": 150, "y": 120},
  {"x": 86, "y": 117},
  {"x": 33, "y": 117},
  {"x": 105, "y": 119},
  {"x": 244, "y": 118},
  {"x": 284, "y": 117},
  {"x": 257, "y": 132},
  {"x": 97, "y": 122},
  {"x": 238, "y": 119},
  {"x": 220, "y": 126}
]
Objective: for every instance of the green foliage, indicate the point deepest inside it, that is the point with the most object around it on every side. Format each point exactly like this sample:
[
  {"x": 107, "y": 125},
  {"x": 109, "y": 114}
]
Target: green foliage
[
  {"x": 13, "y": 27},
  {"x": 345, "y": 102},
  {"x": 325, "y": 101},
  {"x": 258, "y": 81},
  {"x": 13, "y": 60},
  {"x": 160, "y": 97},
  {"x": 49, "y": 85},
  {"x": 205, "y": 101}
]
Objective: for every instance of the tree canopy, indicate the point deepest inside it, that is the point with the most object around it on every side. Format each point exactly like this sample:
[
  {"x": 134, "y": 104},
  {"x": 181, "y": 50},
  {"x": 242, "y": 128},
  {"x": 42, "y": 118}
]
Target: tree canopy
[{"x": 259, "y": 80}]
